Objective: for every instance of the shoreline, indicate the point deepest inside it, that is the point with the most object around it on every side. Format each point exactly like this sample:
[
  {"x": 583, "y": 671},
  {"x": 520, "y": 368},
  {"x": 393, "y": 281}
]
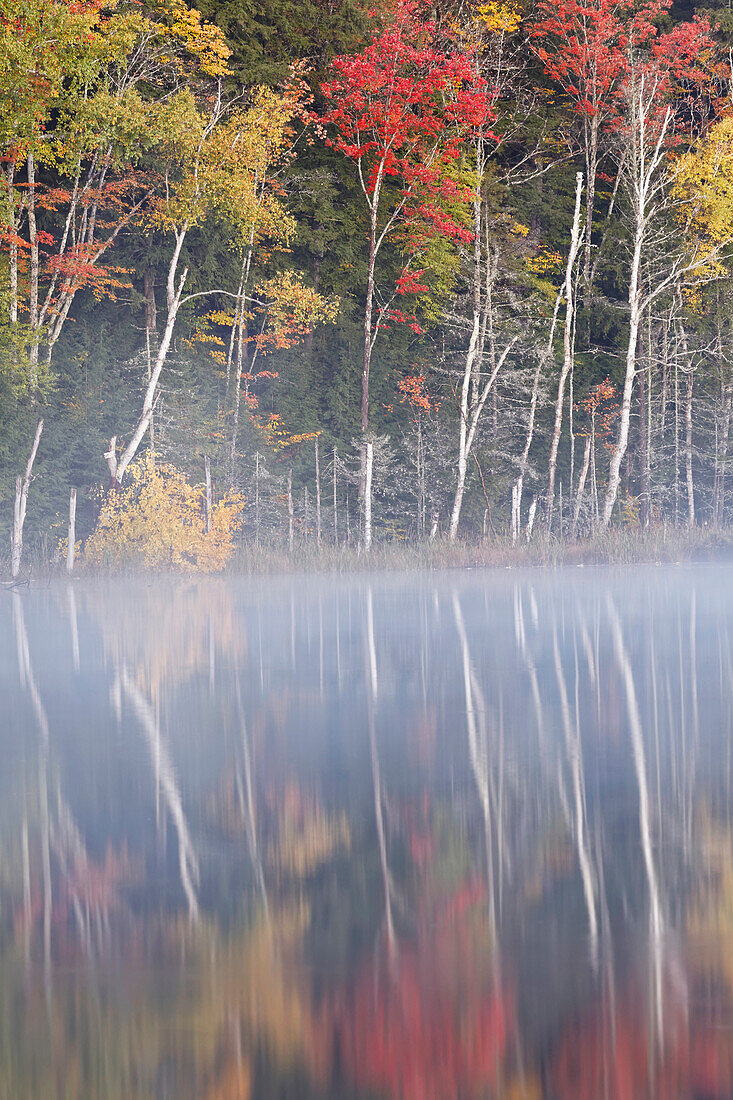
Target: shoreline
[{"x": 619, "y": 547}]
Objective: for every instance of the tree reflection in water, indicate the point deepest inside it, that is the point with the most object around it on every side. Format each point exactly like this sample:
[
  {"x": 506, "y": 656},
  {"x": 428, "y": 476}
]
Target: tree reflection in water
[{"x": 450, "y": 837}]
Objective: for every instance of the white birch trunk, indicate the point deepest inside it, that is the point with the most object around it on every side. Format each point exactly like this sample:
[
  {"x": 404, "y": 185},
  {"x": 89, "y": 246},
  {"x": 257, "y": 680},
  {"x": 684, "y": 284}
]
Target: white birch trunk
[
  {"x": 174, "y": 292},
  {"x": 368, "y": 470},
  {"x": 646, "y": 160},
  {"x": 318, "y": 496},
  {"x": 22, "y": 486},
  {"x": 335, "y": 500},
  {"x": 71, "y": 545},
  {"x": 567, "y": 348},
  {"x": 207, "y": 470},
  {"x": 581, "y": 485},
  {"x": 290, "y": 510},
  {"x": 688, "y": 452},
  {"x": 530, "y": 519}
]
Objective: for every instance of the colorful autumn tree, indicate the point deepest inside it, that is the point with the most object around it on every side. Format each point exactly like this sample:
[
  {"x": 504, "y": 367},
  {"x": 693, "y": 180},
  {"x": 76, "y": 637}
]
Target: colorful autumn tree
[
  {"x": 218, "y": 166},
  {"x": 667, "y": 93},
  {"x": 488, "y": 31},
  {"x": 85, "y": 93},
  {"x": 158, "y": 521},
  {"x": 399, "y": 110},
  {"x": 587, "y": 47}
]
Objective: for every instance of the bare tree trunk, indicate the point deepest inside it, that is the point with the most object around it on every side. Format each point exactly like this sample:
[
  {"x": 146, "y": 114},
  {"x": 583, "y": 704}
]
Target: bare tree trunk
[
  {"x": 516, "y": 514},
  {"x": 240, "y": 323},
  {"x": 207, "y": 473},
  {"x": 369, "y": 448},
  {"x": 72, "y": 532},
  {"x": 518, "y": 487},
  {"x": 290, "y": 510},
  {"x": 13, "y": 245},
  {"x": 725, "y": 433},
  {"x": 688, "y": 452},
  {"x": 648, "y": 425},
  {"x": 689, "y": 370},
  {"x": 335, "y": 501},
  {"x": 614, "y": 473},
  {"x": 567, "y": 348},
  {"x": 581, "y": 486},
  {"x": 647, "y": 155},
  {"x": 22, "y": 486},
  {"x": 468, "y": 425},
  {"x": 594, "y": 472},
  {"x": 318, "y": 497},
  {"x": 645, "y": 502},
  {"x": 591, "y": 126},
  {"x": 471, "y": 367},
  {"x": 174, "y": 292},
  {"x": 365, "y": 452},
  {"x": 420, "y": 482},
  {"x": 530, "y": 518},
  {"x": 257, "y": 499},
  {"x": 34, "y": 273}
]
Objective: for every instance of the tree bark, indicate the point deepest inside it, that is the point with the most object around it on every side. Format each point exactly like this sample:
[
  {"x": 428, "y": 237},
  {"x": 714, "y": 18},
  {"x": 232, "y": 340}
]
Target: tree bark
[
  {"x": 365, "y": 452},
  {"x": 690, "y": 372},
  {"x": 13, "y": 246},
  {"x": 174, "y": 292},
  {"x": 34, "y": 273},
  {"x": 567, "y": 349},
  {"x": 22, "y": 486},
  {"x": 290, "y": 510},
  {"x": 369, "y": 447},
  {"x": 469, "y": 424},
  {"x": 242, "y": 353},
  {"x": 318, "y": 496},
  {"x": 581, "y": 486},
  {"x": 335, "y": 501},
  {"x": 207, "y": 474},
  {"x": 646, "y": 160},
  {"x": 688, "y": 452},
  {"x": 725, "y": 433},
  {"x": 530, "y": 518},
  {"x": 644, "y": 398},
  {"x": 71, "y": 545}
]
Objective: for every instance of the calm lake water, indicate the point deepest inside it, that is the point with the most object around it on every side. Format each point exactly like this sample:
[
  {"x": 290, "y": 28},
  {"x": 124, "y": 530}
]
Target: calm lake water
[{"x": 426, "y": 836}]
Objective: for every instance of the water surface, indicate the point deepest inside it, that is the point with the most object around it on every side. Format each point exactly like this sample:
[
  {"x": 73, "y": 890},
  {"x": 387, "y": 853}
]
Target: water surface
[{"x": 445, "y": 835}]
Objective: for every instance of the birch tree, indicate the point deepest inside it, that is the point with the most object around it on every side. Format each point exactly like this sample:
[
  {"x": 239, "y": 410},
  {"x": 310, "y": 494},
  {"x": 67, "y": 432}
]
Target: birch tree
[
  {"x": 648, "y": 174},
  {"x": 394, "y": 112}
]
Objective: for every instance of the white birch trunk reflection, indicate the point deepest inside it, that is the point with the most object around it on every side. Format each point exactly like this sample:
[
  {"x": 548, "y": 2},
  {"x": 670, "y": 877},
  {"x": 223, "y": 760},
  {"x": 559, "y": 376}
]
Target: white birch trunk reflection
[
  {"x": 372, "y": 693},
  {"x": 580, "y": 829},
  {"x": 143, "y": 711},
  {"x": 479, "y": 755},
  {"x": 246, "y": 800},
  {"x": 656, "y": 921}
]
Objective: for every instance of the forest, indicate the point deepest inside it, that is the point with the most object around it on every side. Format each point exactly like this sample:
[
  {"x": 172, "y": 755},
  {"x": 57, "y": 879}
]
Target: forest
[{"x": 347, "y": 275}]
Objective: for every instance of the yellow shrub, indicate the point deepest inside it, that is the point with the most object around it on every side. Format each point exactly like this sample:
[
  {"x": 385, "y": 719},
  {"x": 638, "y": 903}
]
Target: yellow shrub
[{"x": 157, "y": 521}]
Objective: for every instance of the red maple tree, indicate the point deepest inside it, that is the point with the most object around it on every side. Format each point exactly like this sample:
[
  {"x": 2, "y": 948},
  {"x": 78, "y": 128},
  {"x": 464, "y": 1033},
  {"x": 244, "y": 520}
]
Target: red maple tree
[
  {"x": 593, "y": 48},
  {"x": 400, "y": 110}
]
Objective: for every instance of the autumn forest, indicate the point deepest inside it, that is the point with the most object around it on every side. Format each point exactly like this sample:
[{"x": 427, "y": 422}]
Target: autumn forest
[{"x": 331, "y": 274}]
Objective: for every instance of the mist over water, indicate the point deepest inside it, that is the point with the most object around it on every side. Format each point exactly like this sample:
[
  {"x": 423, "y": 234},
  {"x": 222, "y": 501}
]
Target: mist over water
[{"x": 434, "y": 835}]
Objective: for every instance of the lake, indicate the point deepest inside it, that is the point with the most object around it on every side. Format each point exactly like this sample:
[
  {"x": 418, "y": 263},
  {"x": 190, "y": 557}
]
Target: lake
[{"x": 446, "y": 835}]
